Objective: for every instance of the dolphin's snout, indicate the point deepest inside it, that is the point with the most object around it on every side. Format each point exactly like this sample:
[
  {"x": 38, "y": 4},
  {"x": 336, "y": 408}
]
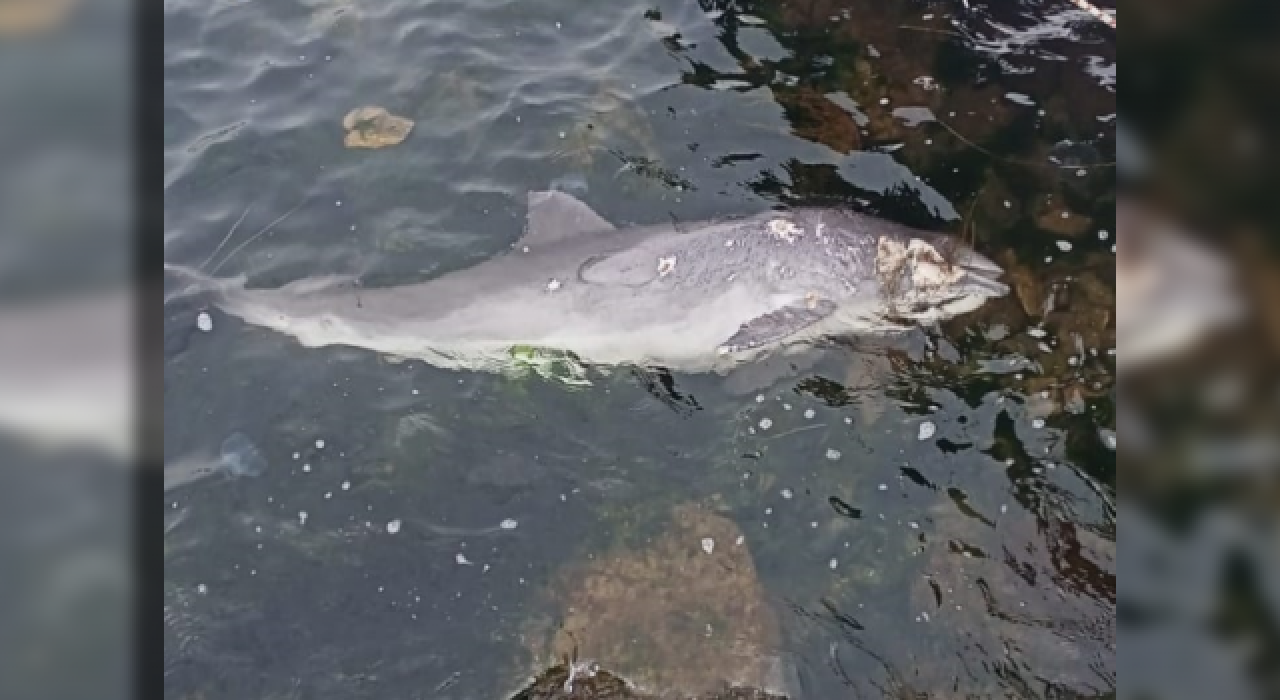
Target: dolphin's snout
[{"x": 983, "y": 274}]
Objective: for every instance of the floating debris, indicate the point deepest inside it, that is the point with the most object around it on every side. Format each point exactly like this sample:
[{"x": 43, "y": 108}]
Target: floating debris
[
  {"x": 393, "y": 527},
  {"x": 927, "y": 429},
  {"x": 833, "y": 454},
  {"x": 462, "y": 559},
  {"x": 765, "y": 423},
  {"x": 204, "y": 321},
  {"x": 787, "y": 494},
  {"x": 508, "y": 524},
  {"x": 374, "y": 127}
]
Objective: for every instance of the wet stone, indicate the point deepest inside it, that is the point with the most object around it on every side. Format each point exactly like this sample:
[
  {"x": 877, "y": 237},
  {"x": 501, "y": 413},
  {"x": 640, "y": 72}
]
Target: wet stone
[{"x": 672, "y": 617}]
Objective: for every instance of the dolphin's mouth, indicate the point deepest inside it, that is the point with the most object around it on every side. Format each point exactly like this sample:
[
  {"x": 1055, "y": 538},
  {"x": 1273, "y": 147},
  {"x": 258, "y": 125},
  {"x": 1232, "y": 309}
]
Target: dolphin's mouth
[{"x": 982, "y": 276}]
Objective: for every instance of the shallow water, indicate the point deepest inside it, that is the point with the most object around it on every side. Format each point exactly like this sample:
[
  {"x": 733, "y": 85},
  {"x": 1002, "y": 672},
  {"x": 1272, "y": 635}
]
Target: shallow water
[{"x": 367, "y": 559}]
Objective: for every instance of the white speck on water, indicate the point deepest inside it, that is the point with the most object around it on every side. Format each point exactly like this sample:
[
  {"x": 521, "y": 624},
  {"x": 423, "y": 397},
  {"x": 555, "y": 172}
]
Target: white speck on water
[
  {"x": 1037, "y": 332},
  {"x": 765, "y": 423},
  {"x": 884, "y": 100},
  {"x": 338, "y": 203},
  {"x": 257, "y": 528},
  {"x": 462, "y": 559},
  {"x": 204, "y": 321},
  {"x": 1004, "y": 508},
  {"x": 306, "y": 468},
  {"x": 833, "y": 454},
  {"x": 786, "y": 493},
  {"x": 1037, "y": 423},
  {"x": 1066, "y": 214},
  {"x": 202, "y": 589},
  {"x": 557, "y": 25},
  {"x": 666, "y": 265},
  {"x": 813, "y": 524},
  {"x": 883, "y": 487},
  {"x": 319, "y": 444},
  {"x": 833, "y": 563},
  {"x": 1008, "y": 204},
  {"x": 508, "y": 524},
  {"x": 728, "y": 243},
  {"x": 553, "y": 285},
  {"x": 296, "y": 455},
  {"x": 768, "y": 511},
  {"x": 786, "y": 407},
  {"x": 328, "y": 495},
  {"x": 562, "y": 134},
  {"x": 927, "y": 429},
  {"x": 809, "y": 413},
  {"x": 393, "y": 526},
  {"x": 759, "y": 398},
  {"x": 346, "y": 486},
  {"x": 848, "y": 420},
  {"x": 708, "y": 545},
  {"x": 1103, "y": 235},
  {"x": 302, "y": 517},
  {"x": 914, "y": 525},
  {"x": 1064, "y": 246}
]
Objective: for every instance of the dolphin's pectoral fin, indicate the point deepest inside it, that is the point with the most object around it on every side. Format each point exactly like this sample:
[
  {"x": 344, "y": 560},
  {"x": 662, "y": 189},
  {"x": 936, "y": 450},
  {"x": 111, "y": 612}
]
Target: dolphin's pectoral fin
[
  {"x": 777, "y": 325},
  {"x": 556, "y": 216}
]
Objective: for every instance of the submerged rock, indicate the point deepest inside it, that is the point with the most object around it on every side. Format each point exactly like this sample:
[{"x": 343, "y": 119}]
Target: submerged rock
[
  {"x": 576, "y": 681},
  {"x": 374, "y": 127},
  {"x": 677, "y": 620}
]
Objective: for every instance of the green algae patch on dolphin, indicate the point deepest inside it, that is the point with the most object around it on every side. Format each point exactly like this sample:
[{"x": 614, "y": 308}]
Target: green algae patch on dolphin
[{"x": 551, "y": 364}]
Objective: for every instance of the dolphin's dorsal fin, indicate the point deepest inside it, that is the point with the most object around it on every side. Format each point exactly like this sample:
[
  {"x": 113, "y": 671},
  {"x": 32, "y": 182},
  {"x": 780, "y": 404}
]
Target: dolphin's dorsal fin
[{"x": 556, "y": 216}]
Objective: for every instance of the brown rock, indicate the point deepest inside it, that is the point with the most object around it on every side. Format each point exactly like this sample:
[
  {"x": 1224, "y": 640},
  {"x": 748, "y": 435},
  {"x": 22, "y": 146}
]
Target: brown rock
[
  {"x": 815, "y": 118},
  {"x": 673, "y": 618},
  {"x": 374, "y": 127},
  {"x": 1053, "y": 216}
]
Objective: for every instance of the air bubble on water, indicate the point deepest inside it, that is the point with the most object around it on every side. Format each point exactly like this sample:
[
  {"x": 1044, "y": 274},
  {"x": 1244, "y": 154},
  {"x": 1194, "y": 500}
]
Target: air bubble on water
[
  {"x": 306, "y": 468},
  {"x": 393, "y": 526},
  {"x": 848, "y": 420},
  {"x": 765, "y": 423},
  {"x": 759, "y": 398},
  {"x": 833, "y": 454},
  {"x": 202, "y": 589},
  {"x": 786, "y": 493},
  {"x": 927, "y": 429},
  {"x": 786, "y": 407},
  {"x": 296, "y": 455},
  {"x": 328, "y": 495},
  {"x": 204, "y": 321},
  {"x": 346, "y": 486},
  {"x": 809, "y": 413},
  {"x": 833, "y": 563},
  {"x": 1004, "y": 508},
  {"x": 768, "y": 511},
  {"x": 508, "y": 524},
  {"x": 883, "y": 487},
  {"x": 319, "y": 444}
]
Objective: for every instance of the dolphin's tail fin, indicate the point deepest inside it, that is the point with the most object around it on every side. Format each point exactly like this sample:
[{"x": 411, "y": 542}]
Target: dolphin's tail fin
[{"x": 188, "y": 281}]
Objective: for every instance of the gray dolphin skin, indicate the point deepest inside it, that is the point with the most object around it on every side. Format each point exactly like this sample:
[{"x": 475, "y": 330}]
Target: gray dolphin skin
[{"x": 695, "y": 297}]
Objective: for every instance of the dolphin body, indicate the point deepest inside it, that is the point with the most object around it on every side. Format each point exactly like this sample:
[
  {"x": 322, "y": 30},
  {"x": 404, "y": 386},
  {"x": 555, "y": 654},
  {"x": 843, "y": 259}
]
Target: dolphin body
[{"x": 697, "y": 297}]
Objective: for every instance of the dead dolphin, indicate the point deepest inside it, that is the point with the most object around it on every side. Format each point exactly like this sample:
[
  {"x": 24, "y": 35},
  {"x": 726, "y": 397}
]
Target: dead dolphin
[{"x": 696, "y": 297}]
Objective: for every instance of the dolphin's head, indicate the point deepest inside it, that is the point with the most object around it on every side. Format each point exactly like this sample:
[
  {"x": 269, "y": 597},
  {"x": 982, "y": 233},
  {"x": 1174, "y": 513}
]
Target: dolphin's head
[{"x": 933, "y": 277}]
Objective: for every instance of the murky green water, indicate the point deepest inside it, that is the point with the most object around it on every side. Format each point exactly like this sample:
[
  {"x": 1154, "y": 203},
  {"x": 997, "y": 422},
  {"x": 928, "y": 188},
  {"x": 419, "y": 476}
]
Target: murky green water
[{"x": 933, "y": 513}]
